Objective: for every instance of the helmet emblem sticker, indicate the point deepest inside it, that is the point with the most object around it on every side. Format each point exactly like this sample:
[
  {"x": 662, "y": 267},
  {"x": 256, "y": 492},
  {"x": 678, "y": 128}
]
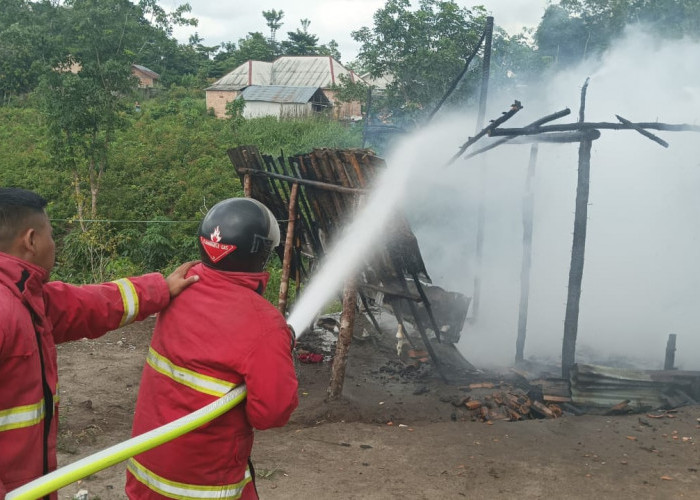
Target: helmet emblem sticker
[{"x": 214, "y": 248}]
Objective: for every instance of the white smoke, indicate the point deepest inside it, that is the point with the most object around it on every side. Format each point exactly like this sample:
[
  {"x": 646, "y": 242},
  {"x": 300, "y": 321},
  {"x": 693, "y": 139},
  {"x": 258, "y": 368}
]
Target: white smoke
[{"x": 641, "y": 276}]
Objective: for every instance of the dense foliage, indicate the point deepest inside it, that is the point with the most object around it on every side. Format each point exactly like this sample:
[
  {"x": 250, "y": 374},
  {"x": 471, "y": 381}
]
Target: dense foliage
[{"x": 166, "y": 167}]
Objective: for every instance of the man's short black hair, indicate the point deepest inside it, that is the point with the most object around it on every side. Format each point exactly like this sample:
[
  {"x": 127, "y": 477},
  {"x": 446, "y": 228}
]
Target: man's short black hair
[{"x": 16, "y": 206}]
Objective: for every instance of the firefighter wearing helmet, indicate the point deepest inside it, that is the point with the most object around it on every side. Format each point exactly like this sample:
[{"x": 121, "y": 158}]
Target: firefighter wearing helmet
[
  {"x": 216, "y": 335},
  {"x": 238, "y": 234}
]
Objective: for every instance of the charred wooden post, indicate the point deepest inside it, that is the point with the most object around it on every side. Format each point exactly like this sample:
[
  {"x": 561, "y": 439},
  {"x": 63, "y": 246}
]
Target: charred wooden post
[
  {"x": 481, "y": 217},
  {"x": 426, "y": 304},
  {"x": 528, "y": 222},
  {"x": 365, "y": 304},
  {"x": 488, "y": 32},
  {"x": 347, "y": 323},
  {"x": 670, "y": 352},
  {"x": 485, "y": 71},
  {"x": 568, "y": 352},
  {"x": 288, "y": 247}
]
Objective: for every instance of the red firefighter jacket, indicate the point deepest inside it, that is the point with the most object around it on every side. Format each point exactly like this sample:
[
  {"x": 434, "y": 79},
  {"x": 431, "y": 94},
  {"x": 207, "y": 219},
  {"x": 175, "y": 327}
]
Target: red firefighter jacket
[
  {"x": 213, "y": 337},
  {"x": 34, "y": 317}
]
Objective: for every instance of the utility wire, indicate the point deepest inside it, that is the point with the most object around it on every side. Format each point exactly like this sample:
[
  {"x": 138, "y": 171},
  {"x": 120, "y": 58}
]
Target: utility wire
[{"x": 126, "y": 220}]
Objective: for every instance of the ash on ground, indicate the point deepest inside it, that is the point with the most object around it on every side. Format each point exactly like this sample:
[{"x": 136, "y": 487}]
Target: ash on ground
[{"x": 322, "y": 338}]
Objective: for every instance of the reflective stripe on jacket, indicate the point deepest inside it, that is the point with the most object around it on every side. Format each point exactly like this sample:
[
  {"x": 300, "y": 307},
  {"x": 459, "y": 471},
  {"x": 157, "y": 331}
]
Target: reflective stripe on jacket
[
  {"x": 213, "y": 337},
  {"x": 184, "y": 491},
  {"x": 25, "y": 415},
  {"x": 35, "y": 317}
]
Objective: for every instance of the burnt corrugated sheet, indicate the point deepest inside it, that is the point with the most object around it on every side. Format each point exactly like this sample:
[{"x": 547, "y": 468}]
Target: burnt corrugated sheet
[{"x": 604, "y": 387}]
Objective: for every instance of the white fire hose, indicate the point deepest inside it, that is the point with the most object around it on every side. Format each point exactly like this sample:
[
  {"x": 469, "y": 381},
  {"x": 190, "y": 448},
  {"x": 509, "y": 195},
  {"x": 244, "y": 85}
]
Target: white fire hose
[{"x": 127, "y": 449}]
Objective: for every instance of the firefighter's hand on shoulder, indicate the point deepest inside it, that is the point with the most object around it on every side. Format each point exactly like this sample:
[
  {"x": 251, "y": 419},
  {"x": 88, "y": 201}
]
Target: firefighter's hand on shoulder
[{"x": 177, "y": 281}]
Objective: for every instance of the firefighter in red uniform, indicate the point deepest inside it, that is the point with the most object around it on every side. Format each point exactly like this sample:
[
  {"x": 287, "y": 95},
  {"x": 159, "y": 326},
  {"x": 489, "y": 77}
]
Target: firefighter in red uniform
[
  {"x": 216, "y": 335},
  {"x": 35, "y": 315}
]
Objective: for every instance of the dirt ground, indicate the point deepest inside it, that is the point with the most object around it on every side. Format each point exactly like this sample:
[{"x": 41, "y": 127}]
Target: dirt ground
[{"x": 396, "y": 433}]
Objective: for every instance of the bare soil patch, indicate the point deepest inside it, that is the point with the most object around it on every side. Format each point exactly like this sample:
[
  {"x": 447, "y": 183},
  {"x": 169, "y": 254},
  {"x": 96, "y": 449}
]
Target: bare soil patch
[{"x": 396, "y": 433}]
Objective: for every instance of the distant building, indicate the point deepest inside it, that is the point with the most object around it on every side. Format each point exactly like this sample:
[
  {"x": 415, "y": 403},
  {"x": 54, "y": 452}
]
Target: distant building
[
  {"x": 147, "y": 78},
  {"x": 320, "y": 72},
  {"x": 282, "y": 101}
]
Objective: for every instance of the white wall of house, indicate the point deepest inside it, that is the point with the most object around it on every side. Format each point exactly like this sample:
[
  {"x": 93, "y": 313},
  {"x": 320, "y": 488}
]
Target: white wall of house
[{"x": 256, "y": 109}]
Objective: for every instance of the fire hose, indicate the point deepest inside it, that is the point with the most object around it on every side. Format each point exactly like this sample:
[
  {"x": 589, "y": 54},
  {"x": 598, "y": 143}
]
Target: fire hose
[{"x": 127, "y": 449}]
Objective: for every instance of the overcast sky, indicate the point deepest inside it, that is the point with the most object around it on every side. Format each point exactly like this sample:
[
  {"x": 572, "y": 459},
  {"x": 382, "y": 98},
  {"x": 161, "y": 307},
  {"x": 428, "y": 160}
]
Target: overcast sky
[{"x": 222, "y": 21}]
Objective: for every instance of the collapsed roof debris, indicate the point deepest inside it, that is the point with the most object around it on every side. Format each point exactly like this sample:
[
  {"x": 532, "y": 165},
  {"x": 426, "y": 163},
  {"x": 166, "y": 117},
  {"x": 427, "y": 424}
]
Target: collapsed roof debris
[{"x": 330, "y": 185}]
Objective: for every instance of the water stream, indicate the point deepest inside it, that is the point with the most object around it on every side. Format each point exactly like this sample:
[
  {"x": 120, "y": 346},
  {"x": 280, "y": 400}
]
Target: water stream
[{"x": 359, "y": 239}]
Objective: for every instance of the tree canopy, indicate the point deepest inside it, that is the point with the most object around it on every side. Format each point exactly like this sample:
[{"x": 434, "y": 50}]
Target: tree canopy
[
  {"x": 422, "y": 50},
  {"x": 574, "y": 29}
]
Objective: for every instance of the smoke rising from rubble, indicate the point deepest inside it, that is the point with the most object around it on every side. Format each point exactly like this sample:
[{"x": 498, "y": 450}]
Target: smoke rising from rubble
[{"x": 641, "y": 278}]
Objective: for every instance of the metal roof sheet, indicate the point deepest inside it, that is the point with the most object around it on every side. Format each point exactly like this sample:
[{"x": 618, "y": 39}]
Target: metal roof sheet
[
  {"x": 295, "y": 71},
  {"x": 146, "y": 71},
  {"x": 248, "y": 73},
  {"x": 279, "y": 93}
]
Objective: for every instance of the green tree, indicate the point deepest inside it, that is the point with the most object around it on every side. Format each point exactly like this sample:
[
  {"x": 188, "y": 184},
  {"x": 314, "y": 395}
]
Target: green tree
[
  {"x": 563, "y": 38},
  {"x": 330, "y": 49},
  {"x": 254, "y": 46},
  {"x": 84, "y": 100},
  {"x": 28, "y": 44},
  {"x": 274, "y": 22},
  {"x": 515, "y": 61},
  {"x": 349, "y": 90},
  {"x": 301, "y": 42},
  {"x": 422, "y": 50}
]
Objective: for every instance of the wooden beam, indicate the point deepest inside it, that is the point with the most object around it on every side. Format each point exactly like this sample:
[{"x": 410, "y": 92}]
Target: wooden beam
[
  {"x": 646, "y": 134},
  {"x": 316, "y": 184},
  {"x": 288, "y": 247},
  {"x": 342, "y": 348},
  {"x": 681, "y": 127}
]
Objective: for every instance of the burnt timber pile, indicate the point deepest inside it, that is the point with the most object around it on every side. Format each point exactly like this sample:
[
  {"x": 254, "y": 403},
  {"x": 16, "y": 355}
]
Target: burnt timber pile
[{"x": 315, "y": 195}]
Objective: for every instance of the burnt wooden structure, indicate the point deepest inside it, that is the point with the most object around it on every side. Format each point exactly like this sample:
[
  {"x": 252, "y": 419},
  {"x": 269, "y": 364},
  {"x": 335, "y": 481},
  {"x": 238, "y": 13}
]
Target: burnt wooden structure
[
  {"x": 584, "y": 133},
  {"x": 315, "y": 195}
]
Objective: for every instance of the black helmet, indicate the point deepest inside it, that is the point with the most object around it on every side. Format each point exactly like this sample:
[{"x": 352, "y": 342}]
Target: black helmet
[{"x": 238, "y": 234}]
